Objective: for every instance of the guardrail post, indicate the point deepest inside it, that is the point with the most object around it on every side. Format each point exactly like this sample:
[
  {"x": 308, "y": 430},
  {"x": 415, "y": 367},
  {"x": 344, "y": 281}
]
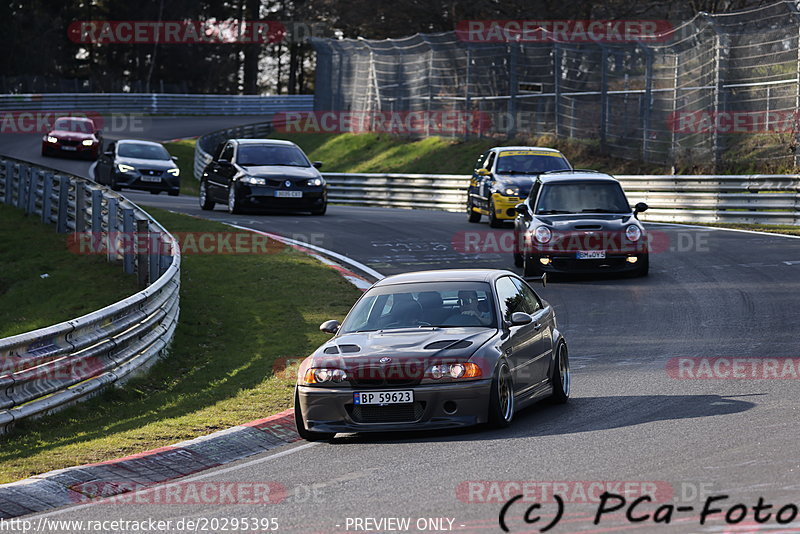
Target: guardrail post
[
  {"x": 111, "y": 227},
  {"x": 63, "y": 204},
  {"x": 33, "y": 186},
  {"x": 143, "y": 242},
  {"x": 6, "y": 167},
  {"x": 97, "y": 211},
  {"x": 80, "y": 206},
  {"x": 154, "y": 244},
  {"x": 47, "y": 197},
  {"x": 128, "y": 239},
  {"x": 22, "y": 182}
]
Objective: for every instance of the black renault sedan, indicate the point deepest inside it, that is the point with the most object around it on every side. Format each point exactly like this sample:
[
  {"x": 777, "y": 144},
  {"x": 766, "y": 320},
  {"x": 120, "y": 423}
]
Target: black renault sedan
[
  {"x": 142, "y": 165},
  {"x": 433, "y": 349},
  {"x": 266, "y": 174},
  {"x": 579, "y": 221}
]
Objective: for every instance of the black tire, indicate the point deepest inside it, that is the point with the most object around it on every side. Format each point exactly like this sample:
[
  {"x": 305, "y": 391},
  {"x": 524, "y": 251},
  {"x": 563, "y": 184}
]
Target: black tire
[
  {"x": 518, "y": 259},
  {"x": 114, "y": 185},
  {"x": 205, "y": 202},
  {"x": 501, "y": 398},
  {"x": 494, "y": 222},
  {"x": 320, "y": 211},
  {"x": 155, "y": 192},
  {"x": 530, "y": 266},
  {"x": 644, "y": 266},
  {"x": 233, "y": 201},
  {"x": 307, "y": 435},
  {"x": 560, "y": 376},
  {"x": 173, "y": 193},
  {"x": 472, "y": 215}
]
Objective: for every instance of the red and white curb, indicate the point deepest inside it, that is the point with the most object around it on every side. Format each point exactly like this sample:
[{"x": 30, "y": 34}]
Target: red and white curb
[{"x": 74, "y": 485}]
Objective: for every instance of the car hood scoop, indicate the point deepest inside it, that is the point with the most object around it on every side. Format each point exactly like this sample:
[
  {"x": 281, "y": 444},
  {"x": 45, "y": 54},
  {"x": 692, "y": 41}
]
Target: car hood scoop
[{"x": 414, "y": 344}]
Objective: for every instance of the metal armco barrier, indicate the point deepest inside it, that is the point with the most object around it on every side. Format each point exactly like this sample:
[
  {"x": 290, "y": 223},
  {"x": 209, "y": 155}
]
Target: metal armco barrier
[
  {"x": 756, "y": 198},
  {"x": 158, "y": 103},
  {"x": 43, "y": 370}
]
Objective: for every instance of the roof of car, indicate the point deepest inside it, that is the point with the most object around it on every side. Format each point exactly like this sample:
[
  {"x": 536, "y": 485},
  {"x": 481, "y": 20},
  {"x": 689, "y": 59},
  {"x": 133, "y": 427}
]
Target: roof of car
[
  {"x": 445, "y": 275},
  {"x": 543, "y": 149},
  {"x": 82, "y": 119},
  {"x": 572, "y": 176},
  {"x": 139, "y": 142},
  {"x": 263, "y": 142}
]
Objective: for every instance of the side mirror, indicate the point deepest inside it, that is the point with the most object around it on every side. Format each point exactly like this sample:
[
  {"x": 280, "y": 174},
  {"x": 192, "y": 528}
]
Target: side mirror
[
  {"x": 520, "y": 318},
  {"x": 174, "y": 158},
  {"x": 223, "y": 162},
  {"x": 483, "y": 172},
  {"x": 317, "y": 164},
  {"x": 639, "y": 208},
  {"x": 98, "y": 133},
  {"x": 330, "y": 327},
  {"x": 523, "y": 210}
]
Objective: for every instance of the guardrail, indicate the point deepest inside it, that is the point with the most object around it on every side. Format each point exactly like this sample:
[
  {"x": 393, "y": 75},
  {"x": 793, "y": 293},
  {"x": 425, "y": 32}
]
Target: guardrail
[
  {"x": 158, "y": 103},
  {"x": 756, "y": 198},
  {"x": 48, "y": 368}
]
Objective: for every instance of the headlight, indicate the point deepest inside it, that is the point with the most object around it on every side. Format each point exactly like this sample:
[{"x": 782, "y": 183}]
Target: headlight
[
  {"x": 542, "y": 234},
  {"x": 511, "y": 191},
  {"x": 125, "y": 168},
  {"x": 252, "y": 180},
  {"x": 454, "y": 370},
  {"x": 51, "y": 139},
  {"x": 321, "y": 375},
  {"x": 174, "y": 172},
  {"x": 633, "y": 233},
  {"x": 315, "y": 182},
  {"x": 87, "y": 142}
]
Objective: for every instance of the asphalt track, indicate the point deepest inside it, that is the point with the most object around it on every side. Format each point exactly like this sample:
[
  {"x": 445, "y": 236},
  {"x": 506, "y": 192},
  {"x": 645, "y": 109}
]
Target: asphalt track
[{"x": 711, "y": 293}]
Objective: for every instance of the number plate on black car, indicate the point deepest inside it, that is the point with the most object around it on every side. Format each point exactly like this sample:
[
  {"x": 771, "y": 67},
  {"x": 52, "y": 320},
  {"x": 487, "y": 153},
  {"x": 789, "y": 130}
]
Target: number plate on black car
[
  {"x": 383, "y": 397},
  {"x": 289, "y": 194},
  {"x": 591, "y": 254}
]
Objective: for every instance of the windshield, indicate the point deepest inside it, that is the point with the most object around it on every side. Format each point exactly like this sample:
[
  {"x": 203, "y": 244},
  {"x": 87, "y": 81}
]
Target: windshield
[
  {"x": 582, "y": 197},
  {"x": 530, "y": 162},
  {"x": 439, "y": 304},
  {"x": 142, "y": 151},
  {"x": 255, "y": 155},
  {"x": 74, "y": 125}
]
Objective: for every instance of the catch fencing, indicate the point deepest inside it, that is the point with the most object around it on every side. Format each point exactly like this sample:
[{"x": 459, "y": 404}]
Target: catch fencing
[
  {"x": 157, "y": 103},
  {"x": 45, "y": 369},
  {"x": 717, "y": 92}
]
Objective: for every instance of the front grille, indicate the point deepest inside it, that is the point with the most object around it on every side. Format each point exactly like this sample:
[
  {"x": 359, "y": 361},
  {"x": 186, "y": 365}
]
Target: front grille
[
  {"x": 392, "y": 375},
  {"x": 69, "y": 142},
  {"x": 573, "y": 264},
  {"x": 393, "y": 413},
  {"x": 151, "y": 172}
]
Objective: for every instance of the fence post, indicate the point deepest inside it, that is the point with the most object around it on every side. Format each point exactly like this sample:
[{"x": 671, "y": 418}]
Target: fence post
[
  {"x": 80, "y": 206},
  {"x": 648, "y": 102},
  {"x": 128, "y": 239},
  {"x": 673, "y": 123},
  {"x": 467, "y": 100},
  {"x": 603, "y": 96},
  {"x": 142, "y": 241},
  {"x": 63, "y": 204},
  {"x": 513, "y": 88},
  {"x": 47, "y": 197},
  {"x": 112, "y": 227},
  {"x": 557, "y": 87}
]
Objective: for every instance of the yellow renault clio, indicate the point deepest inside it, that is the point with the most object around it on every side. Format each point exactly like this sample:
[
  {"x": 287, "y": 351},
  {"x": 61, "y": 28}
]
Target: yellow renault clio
[{"x": 503, "y": 177}]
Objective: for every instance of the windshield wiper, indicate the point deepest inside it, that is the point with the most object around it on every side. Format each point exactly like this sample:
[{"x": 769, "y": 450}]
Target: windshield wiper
[
  {"x": 518, "y": 172},
  {"x": 551, "y": 212},
  {"x": 598, "y": 210}
]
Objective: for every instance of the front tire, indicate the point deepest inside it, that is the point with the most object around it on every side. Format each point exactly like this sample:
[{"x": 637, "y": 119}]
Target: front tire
[
  {"x": 501, "y": 398},
  {"x": 114, "y": 185},
  {"x": 472, "y": 215},
  {"x": 644, "y": 267},
  {"x": 530, "y": 267},
  {"x": 561, "y": 377},
  {"x": 320, "y": 211},
  {"x": 519, "y": 261},
  {"x": 304, "y": 433},
  {"x": 205, "y": 202},
  {"x": 233, "y": 202},
  {"x": 494, "y": 222}
]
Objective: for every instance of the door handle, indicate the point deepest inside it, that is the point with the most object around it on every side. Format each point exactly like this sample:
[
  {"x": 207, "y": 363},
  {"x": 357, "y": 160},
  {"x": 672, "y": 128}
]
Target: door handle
[{"x": 537, "y": 326}]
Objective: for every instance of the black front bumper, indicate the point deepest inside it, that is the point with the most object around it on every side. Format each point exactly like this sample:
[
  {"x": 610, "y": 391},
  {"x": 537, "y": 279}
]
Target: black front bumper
[
  {"x": 134, "y": 181},
  {"x": 333, "y": 409},
  {"x": 568, "y": 263},
  {"x": 264, "y": 198}
]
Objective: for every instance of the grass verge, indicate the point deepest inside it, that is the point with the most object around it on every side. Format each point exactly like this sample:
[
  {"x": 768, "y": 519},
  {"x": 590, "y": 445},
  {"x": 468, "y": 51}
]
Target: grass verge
[
  {"x": 772, "y": 228},
  {"x": 28, "y": 251},
  {"x": 232, "y": 331},
  {"x": 184, "y": 149}
]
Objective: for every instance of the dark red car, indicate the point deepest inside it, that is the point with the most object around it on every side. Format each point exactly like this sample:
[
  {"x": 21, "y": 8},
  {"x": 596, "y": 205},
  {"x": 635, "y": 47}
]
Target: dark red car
[{"x": 73, "y": 135}]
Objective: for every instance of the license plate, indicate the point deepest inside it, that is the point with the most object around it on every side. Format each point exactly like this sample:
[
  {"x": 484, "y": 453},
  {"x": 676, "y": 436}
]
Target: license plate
[
  {"x": 150, "y": 178},
  {"x": 70, "y": 148},
  {"x": 289, "y": 194},
  {"x": 383, "y": 397},
  {"x": 591, "y": 254}
]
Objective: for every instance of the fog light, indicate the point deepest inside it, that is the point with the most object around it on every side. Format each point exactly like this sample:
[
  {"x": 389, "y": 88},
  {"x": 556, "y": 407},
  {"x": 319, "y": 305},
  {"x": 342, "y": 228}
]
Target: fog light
[
  {"x": 632, "y": 259},
  {"x": 450, "y": 407},
  {"x": 544, "y": 261}
]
